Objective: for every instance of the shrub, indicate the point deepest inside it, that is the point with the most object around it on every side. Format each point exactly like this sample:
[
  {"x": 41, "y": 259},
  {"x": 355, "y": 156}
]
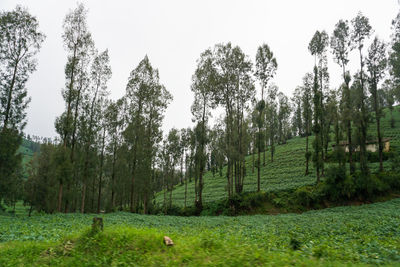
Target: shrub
[
  {"x": 337, "y": 184},
  {"x": 304, "y": 196}
]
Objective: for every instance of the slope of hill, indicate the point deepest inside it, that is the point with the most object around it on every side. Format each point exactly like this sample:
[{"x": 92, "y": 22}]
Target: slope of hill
[{"x": 286, "y": 172}]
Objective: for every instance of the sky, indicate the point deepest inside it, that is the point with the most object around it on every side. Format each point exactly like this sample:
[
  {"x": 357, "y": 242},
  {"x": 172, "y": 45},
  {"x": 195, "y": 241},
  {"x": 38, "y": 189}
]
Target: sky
[{"x": 174, "y": 33}]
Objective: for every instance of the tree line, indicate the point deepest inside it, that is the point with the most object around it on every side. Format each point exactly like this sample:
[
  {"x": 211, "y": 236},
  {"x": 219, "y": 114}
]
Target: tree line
[{"x": 112, "y": 154}]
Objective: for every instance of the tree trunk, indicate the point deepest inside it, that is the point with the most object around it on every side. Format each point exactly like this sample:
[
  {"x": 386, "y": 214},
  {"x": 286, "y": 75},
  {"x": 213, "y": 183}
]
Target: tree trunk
[
  {"x": 259, "y": 161},
  {"x": 307, "y": 157},
  {"x": 185, "y": 182},
  {"x": 101, "y": 170},
  {"x": 113, "y": 179},
  {"x": 9, "y": 98},
  {"x": 363, "y": 139},
  {"x": 60, "y": 193},
  {"x": 83, "y": 198}
]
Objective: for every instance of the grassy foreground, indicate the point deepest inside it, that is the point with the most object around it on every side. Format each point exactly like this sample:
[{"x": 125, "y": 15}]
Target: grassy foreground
[{"x": 358, "y": 235}]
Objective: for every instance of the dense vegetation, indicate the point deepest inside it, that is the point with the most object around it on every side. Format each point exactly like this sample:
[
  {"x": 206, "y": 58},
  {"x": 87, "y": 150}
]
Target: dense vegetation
[
  {"x": 367, "y": 234},
  {"x": 113, "y": 154},
  {"x": 266, "y": 153},
  {"x": 286, "y": 172}
]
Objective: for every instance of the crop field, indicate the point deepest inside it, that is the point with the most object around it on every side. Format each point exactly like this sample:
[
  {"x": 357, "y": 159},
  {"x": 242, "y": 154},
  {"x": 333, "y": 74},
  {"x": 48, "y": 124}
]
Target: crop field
[
  {"x": 286, "y": 172},
  {"x": 367, "y": 234}
]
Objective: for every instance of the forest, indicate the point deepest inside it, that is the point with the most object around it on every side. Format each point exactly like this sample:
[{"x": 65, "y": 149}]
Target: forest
[{"x": 266, "y": 152}]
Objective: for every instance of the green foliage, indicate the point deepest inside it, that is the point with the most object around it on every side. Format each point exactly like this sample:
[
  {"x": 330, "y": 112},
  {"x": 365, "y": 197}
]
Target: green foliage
[
  {"x": 367, "y": 234},
  {"x": 10, "y": 166},
  {"x": 287, "y": 171}
]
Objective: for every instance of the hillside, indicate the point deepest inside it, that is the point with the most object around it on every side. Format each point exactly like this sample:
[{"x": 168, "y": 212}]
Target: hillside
[
  {"x": 28, "y": 148},
  {"x": 286, "y": 172}
]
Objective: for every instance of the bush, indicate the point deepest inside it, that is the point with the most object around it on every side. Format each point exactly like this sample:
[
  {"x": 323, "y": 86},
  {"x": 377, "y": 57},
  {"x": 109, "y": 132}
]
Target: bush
[
  {"x": 338, "y": 186},
  {"x": 392, "y": 179},
  {"x": 304, "y": 196}
]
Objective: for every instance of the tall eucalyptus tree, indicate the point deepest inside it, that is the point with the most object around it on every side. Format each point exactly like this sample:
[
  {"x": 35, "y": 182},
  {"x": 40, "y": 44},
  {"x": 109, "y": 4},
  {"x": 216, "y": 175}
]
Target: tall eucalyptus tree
[
  {"x": 266, "y": 66},
  {"x": 376, "y": 65},
  {"x": 20, "y": 41},
  {"x": 360, "y": 32},
  {"x": 341, "y": 44},
  {"x": 204, "y": 84},
  {"x": 147, "y": 100}
]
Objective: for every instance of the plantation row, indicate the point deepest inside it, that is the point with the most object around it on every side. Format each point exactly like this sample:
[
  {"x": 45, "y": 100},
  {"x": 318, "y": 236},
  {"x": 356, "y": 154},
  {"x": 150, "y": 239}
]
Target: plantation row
[
  {"x": 287, "y": 172},
  {"x": 363, "y": 234}
]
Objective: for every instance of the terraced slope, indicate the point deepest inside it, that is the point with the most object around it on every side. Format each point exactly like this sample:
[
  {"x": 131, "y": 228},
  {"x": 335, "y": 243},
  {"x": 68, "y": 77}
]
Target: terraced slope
[{"x": 286, "y": 172}]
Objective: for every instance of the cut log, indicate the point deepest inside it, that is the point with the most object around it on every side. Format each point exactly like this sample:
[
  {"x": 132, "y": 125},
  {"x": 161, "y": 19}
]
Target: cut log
[{"x": 168, "y": 241}]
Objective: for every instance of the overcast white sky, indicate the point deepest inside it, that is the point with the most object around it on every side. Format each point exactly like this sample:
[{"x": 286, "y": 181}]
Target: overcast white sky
[{"x": 174, "y": 33}]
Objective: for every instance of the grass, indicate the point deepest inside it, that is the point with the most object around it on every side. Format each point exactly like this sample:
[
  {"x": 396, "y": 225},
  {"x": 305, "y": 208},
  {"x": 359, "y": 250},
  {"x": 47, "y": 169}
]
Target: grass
[
  {"x": 357, "y": 235},
  {"x": 285, "y": 173}
]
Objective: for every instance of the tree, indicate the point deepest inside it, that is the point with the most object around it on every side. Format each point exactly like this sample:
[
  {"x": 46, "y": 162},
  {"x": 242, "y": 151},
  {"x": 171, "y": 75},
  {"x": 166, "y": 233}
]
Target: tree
[
  {"x": 388, "y": 89},
  {"x": 317, "y": 48},
  {"x": 394, "y": 54},
  {"x": 376, "y": 64},
  {"x": 297, "y": 119},
  {"x": 94, "y": 106},
  {"x": 77, "y": 41},
  {"x": 20, "y": 41},
  {"x": 113, "y": 125},
  {"x": 271, "y": 117},
  {"x": 172, "y": 154},
  {"x": 307, "y": 112},
  {"x": 147, "y": 100},
  {"x": 204, "y": 83},
  {"x": 266, "y": 67},
  {"x": 361, "y": 31},
  {"x": 341, "y": 44},
  {"x": 235, "y": 89},
  {"x": 284, "y": 111}
]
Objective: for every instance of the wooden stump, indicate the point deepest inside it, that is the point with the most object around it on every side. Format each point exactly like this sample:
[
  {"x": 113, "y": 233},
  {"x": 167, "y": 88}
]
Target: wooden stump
[{"x": 97, "y": 225}]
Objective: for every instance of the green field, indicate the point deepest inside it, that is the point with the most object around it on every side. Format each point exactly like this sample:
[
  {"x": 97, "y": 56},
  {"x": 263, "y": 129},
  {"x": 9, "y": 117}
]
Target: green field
[
  {"x": 286, "y": 172},
  {"x": 358, "y": 235}
]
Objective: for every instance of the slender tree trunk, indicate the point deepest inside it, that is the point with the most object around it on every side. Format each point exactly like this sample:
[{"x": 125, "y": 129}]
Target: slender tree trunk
[
  {"x": 101, "y": 170},
  {"x": 93, "y": 193},
  {"x": 85, "y": 178},
  {"x": 171, "y": 187},
  {"x": 9, "y": 98},
  {"x": 113, "y": 178},
  {"x": 253, "y": 152},
  {"x": 307, "y": 157},
  {"x": 259, "y": 162},
  {"x": 348, "y": 119},
  {"x": 60, "y": 193},
  {"x": 378, "y": 122},
  {"x": 380, "y": 144},
  {"x": 363, "y": 156},
  {"x": 83, "y": 198},
  {"x": 165, "y": 193},
  {"x": 186, "y": 182}
]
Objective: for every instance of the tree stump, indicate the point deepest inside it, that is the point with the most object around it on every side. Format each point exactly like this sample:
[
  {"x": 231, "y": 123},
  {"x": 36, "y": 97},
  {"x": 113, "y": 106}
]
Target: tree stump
[
  {"x": 97, "y": 225},
  {"x": 168, "y": 241}
]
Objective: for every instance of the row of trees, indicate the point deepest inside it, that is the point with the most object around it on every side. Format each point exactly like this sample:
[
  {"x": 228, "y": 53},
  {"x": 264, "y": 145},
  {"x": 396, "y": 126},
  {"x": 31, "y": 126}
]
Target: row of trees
[
  {"x": 350, "y": 107},
  {"x": 113, "y": 155},
  {"x": 20, "y": 41}
]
